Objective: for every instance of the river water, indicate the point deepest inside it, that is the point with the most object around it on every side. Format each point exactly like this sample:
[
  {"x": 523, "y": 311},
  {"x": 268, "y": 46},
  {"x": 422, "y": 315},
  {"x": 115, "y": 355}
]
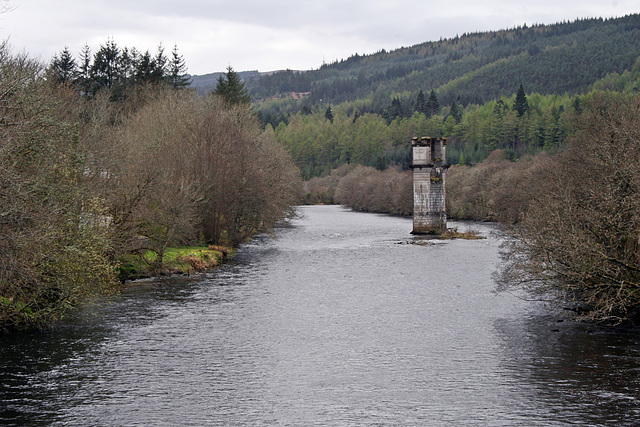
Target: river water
[{"x": 337, "y": 321}]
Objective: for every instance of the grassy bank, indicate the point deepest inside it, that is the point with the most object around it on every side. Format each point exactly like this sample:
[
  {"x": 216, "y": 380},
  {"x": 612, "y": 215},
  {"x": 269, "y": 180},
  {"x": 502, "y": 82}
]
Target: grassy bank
[{"x": 183, "y": 260}]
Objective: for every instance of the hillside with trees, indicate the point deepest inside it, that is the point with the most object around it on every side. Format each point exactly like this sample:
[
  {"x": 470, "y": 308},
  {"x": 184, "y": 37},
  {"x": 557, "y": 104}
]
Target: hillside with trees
[
  {"x": 476, "y": 68},
  {"x": 514, "y": 90}
]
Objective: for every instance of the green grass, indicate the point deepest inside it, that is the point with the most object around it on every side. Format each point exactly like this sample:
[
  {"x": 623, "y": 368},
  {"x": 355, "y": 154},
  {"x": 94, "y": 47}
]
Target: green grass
[{"x": 182, "y": 260}]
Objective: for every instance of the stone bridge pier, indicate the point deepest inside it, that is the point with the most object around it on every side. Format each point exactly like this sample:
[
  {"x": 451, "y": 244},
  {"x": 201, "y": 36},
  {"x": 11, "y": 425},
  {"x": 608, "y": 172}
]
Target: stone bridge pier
[{"x": 429, "y": 170}]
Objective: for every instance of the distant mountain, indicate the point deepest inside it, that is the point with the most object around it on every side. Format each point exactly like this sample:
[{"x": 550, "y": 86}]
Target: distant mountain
[{"x": 564, "y": 58}]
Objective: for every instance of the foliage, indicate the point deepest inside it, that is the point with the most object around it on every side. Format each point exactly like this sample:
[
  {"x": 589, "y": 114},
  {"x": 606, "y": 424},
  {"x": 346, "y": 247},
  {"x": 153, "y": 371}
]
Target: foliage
[
  {"x": 118, "y": 69},
  {"x": 580, "y": 239},
  {"x": 476, "y": 94},
  {"x": 54, "y": 243},
  {"x": 183, "y": 260},
  {"x": 374, "y": 140},
  {"x": 197, "y": 168},
  {"x": 521, "y": 105},
  {"x": 478, "y": 67},
  {"x": 88, "y": 181},
  {"x": 231, "y": 88},
  {"x": 496, "y": 189},
  {"x": 366, "y": 189}
]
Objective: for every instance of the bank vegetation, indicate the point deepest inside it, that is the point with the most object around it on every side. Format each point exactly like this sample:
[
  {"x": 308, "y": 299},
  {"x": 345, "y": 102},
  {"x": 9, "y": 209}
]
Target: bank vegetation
[{"x": 90, "y": 179}]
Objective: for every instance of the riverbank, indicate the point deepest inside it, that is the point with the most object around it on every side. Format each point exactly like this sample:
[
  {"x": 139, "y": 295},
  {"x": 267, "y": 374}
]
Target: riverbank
[{"x": 181, "y": 260}]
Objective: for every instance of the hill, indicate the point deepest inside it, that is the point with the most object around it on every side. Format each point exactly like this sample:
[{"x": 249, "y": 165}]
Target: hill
[
  {"x": 564, "y": 58},
  {"x": 364, "y": 109}
]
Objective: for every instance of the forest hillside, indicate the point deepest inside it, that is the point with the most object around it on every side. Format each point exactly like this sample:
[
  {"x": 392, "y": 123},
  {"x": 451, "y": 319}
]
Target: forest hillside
[{"x": 511, "y": 89}]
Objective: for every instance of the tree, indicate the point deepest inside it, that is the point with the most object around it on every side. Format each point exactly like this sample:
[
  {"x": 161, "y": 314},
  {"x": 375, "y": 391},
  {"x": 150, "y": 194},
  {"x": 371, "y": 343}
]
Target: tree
[
  {"x": 54, "y": 242},
  {"x": 328, "y": 114},
  {"x": 455, "y": 112},
  {"x": 433, "y": 106},
  {"x": 160, "y": 65},
  {"x": 64, "y": 67},
  {"x": 521, "y": 104},
  {"x": 145, "y": 68},
  {"x": 177, "y": 70},
  {"x": 580, "y": 240},
  {"x": 394, "y": 111},
  {"x": 232, "y": 89},
  {"x": 421, "y": 103},
  {"x": 84, "y": 75},
  {"x": 105, "y": 69}
]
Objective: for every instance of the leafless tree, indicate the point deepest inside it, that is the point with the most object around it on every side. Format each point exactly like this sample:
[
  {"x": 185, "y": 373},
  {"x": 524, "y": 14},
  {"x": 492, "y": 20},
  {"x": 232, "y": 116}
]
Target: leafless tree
[{"x": 579, "y": 240}]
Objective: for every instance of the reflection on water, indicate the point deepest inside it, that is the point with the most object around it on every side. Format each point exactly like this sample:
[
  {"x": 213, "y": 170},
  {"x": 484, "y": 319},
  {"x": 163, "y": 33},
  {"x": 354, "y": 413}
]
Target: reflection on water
[{"x": 332, "y": 323}]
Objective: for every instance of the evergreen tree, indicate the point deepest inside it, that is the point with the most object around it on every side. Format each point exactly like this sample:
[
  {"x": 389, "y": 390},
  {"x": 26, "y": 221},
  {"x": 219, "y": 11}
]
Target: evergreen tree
[
  {"x": 84, "y": 78},
  {"x": 159, "y": 65},
  {"x": 105, "y": 69},
  {"x": 128, "y": 65},
  {"x": 394, "y": 111},
  {"x": 177, "y": 70},
  {"x": 64, "y": 67},
  {"x": 145, "y": 68},
  {"x": 521, "y": 105},
  {"x": 421, "y": 103},
  {"x": 433, "y": 106},
  {"x": 356, "y": 115},
  {"x": 455, "y": 112},
  {"x": 232, "y": 89},
  {"x": 328, "y": 114}
]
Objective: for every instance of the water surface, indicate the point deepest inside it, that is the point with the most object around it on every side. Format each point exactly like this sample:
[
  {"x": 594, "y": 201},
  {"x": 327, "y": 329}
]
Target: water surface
[{"x": 337, "y": 321}]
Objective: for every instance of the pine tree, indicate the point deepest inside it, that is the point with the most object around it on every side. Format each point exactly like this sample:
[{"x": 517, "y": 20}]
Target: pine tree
[
  {"x": 328, "y": 114},
  {"x": 356, "y": 115},
  {"x": 159, "y": 65},
  {"x": 394, "y": 111},
  {"x": 455, "y": 112},
  {"x": 177, "y": 71},
  {"x": 521, "y": 105},
  {"x": 231, "y": 88},
  {"x": 105, "y": 68},
  {"x": 64, "y": 67},
  {"x": 128, "y": 65},
  {"x": 84, "y": 78},
  {"x": 421, "y": 103},
  {"x": 145, "y": 68},
  {"x": 433, "y": 106}
]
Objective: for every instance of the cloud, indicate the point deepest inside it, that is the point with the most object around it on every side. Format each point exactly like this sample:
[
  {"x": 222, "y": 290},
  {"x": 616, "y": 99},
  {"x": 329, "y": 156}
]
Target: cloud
[{"x": 278, "y": 34}]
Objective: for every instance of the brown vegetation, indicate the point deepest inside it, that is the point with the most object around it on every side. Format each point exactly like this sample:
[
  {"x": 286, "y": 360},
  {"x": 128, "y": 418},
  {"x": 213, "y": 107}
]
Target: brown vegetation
[
  {"x": 366, "y": 189},
  {"x": 579, "y": 240},
  {"x": 497, "y": 189},
  {"x": 54, "y": 245},
  {"x": 85, "y": 180}
]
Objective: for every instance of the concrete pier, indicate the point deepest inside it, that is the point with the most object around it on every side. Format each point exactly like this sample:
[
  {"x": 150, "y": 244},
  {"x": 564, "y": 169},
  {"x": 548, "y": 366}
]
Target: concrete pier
[{"x": 429, "y": 170}]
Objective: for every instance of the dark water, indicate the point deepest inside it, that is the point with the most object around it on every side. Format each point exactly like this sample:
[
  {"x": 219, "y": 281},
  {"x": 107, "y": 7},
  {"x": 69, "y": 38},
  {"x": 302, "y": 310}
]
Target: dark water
[{"x": 332, "y": 323}]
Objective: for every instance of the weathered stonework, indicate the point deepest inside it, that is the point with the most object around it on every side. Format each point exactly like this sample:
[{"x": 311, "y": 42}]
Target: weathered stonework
[{"x": 429, "y": 167}]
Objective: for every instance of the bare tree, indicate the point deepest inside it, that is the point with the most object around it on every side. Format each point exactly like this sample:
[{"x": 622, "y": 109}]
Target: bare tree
[
  {"x": 579, "y": 241},
  {"x": 53, "y": 245}
]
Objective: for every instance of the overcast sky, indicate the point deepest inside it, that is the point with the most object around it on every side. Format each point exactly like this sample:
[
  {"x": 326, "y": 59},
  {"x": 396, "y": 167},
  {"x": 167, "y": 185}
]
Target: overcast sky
[{"x": 268, "y": 35}]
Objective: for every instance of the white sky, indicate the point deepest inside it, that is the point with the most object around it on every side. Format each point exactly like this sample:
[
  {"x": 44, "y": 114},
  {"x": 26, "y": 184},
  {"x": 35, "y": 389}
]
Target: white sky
[{"x": 268, "y": 35}]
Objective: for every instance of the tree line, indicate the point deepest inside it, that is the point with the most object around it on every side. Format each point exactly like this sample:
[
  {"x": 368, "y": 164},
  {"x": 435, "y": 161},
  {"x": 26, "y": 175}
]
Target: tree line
[
  {"x": 90, "y": 177},
  {"x": 118, "y": 69},
  {"x": 520, "y": 124}
]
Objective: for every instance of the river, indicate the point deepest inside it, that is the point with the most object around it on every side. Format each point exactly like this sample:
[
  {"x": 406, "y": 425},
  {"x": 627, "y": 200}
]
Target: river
[{"x": 335, "y": 321}]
